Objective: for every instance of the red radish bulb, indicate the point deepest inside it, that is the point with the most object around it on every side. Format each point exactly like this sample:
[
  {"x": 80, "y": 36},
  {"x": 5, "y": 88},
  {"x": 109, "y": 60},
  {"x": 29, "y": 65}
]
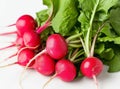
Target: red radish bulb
[
  {"x": 44, "y": 64},
  {"x": 65, "y": 70},
  {"x": 24, "y": 56},
  {"x": 25, "y": 23},
  {"x": 31, "y": 39},
  {"x": 56, "y": 46},
  {"x": 91, "y": 66}
]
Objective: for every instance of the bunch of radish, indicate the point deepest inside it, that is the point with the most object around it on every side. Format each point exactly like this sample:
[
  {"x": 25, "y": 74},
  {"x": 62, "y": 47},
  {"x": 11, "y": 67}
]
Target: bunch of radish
[
  {"x": 53, "y": 59},
  {"x": 27, "y": 40}
]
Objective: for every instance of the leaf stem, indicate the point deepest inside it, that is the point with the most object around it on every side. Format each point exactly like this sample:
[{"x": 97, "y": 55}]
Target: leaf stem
[
  {"x": 87, "y": 39},
  {"x": 94, "y": 39},
  {"x": 79, "y": 53},
  {"x": 75, "y": 45},
  {"x": 73, "y": 37}
]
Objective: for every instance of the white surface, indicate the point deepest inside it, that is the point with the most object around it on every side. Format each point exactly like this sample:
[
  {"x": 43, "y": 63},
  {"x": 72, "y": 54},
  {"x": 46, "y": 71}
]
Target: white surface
[{"x": 10, "y": 10}]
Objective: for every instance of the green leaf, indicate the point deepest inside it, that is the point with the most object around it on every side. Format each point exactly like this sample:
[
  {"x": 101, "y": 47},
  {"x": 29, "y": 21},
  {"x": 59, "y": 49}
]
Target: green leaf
[
  {"x": 47, "y": 3},
  {"x": 104, "y": 7},
  {"x": 66, "y": 17},
  {"x": 84, "y": 22},
  {"x": 114, "y": 64},
  {"x": 108, "y": 31},
  {"x": 93, "y": 14},
  {"x": 87, "y": 7},
  {"x": 116, "y": 40},
  {"x": 108, "y": 54},
  {"x": 99, "y": 48},
  {"x": 41, "y": 16},
  {"x": 115, "y": 20},
  {"x": 52, "y": 5}
]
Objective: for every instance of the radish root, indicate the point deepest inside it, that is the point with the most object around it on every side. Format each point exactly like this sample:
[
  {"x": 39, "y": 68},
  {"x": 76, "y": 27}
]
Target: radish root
[
  {"x": 24, "y": 70},
  {"x": 7, "y": 65},
  {"x": 8, "y": 33},
  {"x": 13, "y": 55},
  {"x": 96, "y": 82},
  {"x": 49, "y": 80}
]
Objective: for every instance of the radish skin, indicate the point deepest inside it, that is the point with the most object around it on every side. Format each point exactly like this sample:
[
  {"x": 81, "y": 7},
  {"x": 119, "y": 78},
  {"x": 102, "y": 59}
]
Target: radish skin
[
  {"x": 91, "y": 66},
  {"x": 56, "y": 46},
  {"x": 44, "y": 64}
]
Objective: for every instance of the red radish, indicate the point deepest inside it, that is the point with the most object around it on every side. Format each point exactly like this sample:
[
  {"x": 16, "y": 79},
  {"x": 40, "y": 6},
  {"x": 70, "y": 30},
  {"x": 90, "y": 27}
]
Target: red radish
[
  {"x": 56, "y": 46},
  {"x": 65, "y": 70},
  {"x": 44, "y": 64},
  {"x": 24, "y": 56},
  {"x": 31, "y": 39},
  {"x": 25, "y": 23},
  {"x": 91, "y": 66}
]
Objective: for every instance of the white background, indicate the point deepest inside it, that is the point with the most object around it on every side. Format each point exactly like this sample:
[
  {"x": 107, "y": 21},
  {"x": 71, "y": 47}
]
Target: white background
[{"x": 10, "y": 10}]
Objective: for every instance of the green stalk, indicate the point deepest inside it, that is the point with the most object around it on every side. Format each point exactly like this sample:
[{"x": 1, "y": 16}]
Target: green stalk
[
  {"x": 73, "y": 37},
  {"x": 74, "y": 41},
  {"x": 75, "y": 45},
  {"x": 94, "y": 39},
  {"x": 79, "y": 53},
  {"x": 87, "y": 42}
]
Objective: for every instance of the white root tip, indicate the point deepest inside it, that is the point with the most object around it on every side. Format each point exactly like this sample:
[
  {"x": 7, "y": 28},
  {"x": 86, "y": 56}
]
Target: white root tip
[
  {"x": 49, "y": 80},
  {"x": 96, "y": 81}
]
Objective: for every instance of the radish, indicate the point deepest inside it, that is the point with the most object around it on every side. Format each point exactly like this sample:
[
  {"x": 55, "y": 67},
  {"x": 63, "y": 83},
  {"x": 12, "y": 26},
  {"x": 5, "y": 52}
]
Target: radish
[
  {"x": 23, "y": 57},
  {"x": 44, "y": 64},
  {"x": 23, "y": 24},
  {"x": 65, "y": 70},
  {"x": 31, "y": 39},
  {"x": 91, "y": 66},
  {"x": 56, "y": 46}
]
